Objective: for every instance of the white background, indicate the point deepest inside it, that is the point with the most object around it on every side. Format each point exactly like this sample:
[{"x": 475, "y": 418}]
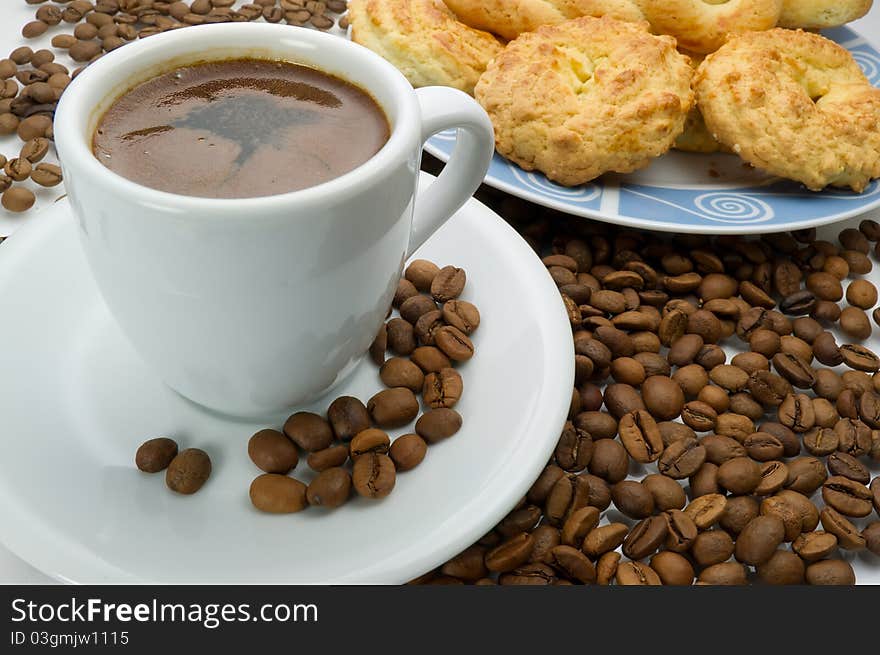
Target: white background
[{"x": 12, "y": 16}]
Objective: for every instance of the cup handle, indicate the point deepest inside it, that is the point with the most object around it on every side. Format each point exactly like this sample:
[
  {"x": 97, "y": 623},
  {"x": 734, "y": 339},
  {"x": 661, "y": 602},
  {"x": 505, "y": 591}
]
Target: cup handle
[{"x": 444, "y": 108}]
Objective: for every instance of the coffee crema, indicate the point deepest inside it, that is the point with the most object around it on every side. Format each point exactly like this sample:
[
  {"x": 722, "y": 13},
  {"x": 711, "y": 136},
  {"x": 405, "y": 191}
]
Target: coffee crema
[{"x": 240, "y": 128}]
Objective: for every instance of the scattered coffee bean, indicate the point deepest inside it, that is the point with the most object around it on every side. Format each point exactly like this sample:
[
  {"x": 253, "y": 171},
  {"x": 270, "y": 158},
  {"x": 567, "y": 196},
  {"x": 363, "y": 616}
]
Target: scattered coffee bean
[
  {"x": 188, "y": 471},
  {"x": 272, "y": 451},
  {"x": 156, "y": 454},
  {"x": 278, "y": 494}
]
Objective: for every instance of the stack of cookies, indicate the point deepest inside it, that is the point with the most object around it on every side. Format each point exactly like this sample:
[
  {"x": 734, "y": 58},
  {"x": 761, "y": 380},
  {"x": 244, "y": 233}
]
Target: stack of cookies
[{"x": 579, "y": 88}]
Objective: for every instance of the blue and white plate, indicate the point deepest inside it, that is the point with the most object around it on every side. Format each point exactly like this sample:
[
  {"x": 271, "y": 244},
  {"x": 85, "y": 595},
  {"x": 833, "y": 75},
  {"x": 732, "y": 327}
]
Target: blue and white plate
[{"x": 686, "y": 192}]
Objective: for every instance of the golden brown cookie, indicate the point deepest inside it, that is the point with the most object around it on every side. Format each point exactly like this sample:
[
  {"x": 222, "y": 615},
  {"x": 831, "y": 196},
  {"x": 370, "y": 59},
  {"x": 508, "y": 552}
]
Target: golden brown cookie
[
  {"x": 703, "y": 26},
  {"x": 585, "y": 97},
  {"x": 510, "y": 18},
  {"x": 816, "y": 14},
  {"x": 795, "y": 104},
  {"x": 424, "y": 40}
]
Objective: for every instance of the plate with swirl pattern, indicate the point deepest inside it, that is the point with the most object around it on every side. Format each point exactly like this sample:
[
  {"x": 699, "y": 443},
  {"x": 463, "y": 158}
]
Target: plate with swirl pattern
[{"x": 687, "y": 192}]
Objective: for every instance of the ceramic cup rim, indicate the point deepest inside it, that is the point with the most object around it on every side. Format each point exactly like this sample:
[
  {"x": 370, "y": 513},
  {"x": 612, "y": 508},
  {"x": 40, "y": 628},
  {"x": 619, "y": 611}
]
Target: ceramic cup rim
[{"x": 93, "y": 90}]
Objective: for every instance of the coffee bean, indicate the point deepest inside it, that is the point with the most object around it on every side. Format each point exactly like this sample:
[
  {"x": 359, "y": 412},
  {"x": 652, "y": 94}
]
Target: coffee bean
[
  {"x": 795, "y": 370},
  {"x": 798, "y": 303},
  {"x": 712, "y": 547},
  {"x": 401, "y": 336},
  {"x": 796, "y": 412},
  {"x": 412, "y": 309},
  {"x": 759, "y": 540},
  {"x": 331, "y": 488},
  {"x": 830, "y": 572},
  {"x": 568, "y": 494},
  {"x": 606, "y": 567},
  {"x": 17, "y": 199},
  {"x": 512, "y": 553},
  {"x": 574, "y": 449},
  {"x": 636, "y": 573},
  {"x": 813, "y": 546},
  {"x": 632, "y": 499},
  {"x": 740, "y": 475},
  {"x": 705, "y": 480},
  {"x": 578, "y": 525},
  {"x": 672, "y": 568},
  {"x": 604, "y": 538},
  {"x": 379, "y": 345},
  {"x": 855, "y": 323},
  {"x": 609, "y": 461},
  {"x": 738, "y": 511},
  {"x": 188, "y": 471},
  {"x": 783, "y": 568},
  {"x": 467, "y": 565},
  {"x": 645, "y": 537},
  {"x": 641, "y": 436},
  {"x": 684, "y": 349},
  {"x": 421, "y": 273},
  {"x": 848, "y": 536},
  {"x": 699, "y": 415},
  {"x": 826, "y": 350},
  {"x": 461, "y": 315},
  {"x": 331, "y": 457},
  {"x": 521, "y": 519},
  {"x": 847, "y": 496},
  {"x": 805, "y": 475},
  {"x": 347, "y": 417},
  {"x": 682, "y": 458},
  {"x": 871, "y": 535},
  {"x": 370, "y": 440},
  {"x": 572, "y": 564},
  {"x": 441, "y": 389},
  {"x": 454, "y": 343},
  {"x": 875, "y": 491},
  {"x": 854, "y": 437},
  {"x": 448, "y": 283},
  {"x": 530, "y": 574},
  {"x": 438, "y": 424},
  {"x": 621, "y": 399},
  {"x": 719, "y": 448},
  {"x": 430, "y": 359},
  {"x": 666, "y": 493},
  {"x": 859, "y": 358},
  {"x": 394, "y": 408},
  {"x": 156, "y": 454},
  {"x": 308, "y": 431},
  {"x": 844, "y": 464},
  {"x": 680, "y": 530},
  {"x": 774, "y": 475},
  {"x": 705, "y": 511},
  {"x": 272, "y": 451},
  {"x": 278, "y": 494},
  {"x": 663, "y": 398},
  {"x": 734, "y": 425},
  {"x": 373, "y": 475},
  {"x": 399, "y": 372}
]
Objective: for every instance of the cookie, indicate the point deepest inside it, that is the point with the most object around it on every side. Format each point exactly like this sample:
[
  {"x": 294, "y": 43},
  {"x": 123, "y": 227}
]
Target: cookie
[
  {"x": 817, "y": 14},
  {"x": 510, "y": 18},
  {"x": 794, "y": 104},
  {"x": 702, "y": 26},
  {"x": 424, "y": 40},
  {"x": 696, "y": 136},
  {"x": 585, "y": 97}
]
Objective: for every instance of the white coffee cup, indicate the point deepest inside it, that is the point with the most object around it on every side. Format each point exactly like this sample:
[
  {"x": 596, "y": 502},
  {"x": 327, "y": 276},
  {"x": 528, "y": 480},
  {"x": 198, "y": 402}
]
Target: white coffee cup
[{"x": 251, "y": 306}]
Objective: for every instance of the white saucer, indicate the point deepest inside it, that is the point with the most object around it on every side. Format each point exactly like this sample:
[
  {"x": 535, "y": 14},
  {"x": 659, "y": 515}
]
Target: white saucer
[{"x": 76, "y": 401}]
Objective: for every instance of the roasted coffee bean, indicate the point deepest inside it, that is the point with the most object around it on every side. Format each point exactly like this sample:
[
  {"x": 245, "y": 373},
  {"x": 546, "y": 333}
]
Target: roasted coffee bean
[
  {"x": 663, "y": 398},
  {"x": 441, "y": 389},
  {"x": 683, "y": 350},
  {"x": 726, "y": 573},
  {"x": 421, "y": 273},
  {"x": 798, "y": 303},
  {"x": 348, "y": 416},
  {"x": 621, "y": 399},
  {"x": 855, "y": 323},
  {"x": 740, "y": 475},
  {"x": 522, "y": 519},
  {"x": 572, "y": 564},
  {"x": 578, "y": 525},
  {"x": 854, "y": 437},
  {"x": 705, "y": 480},
  {"x": 308, "y": 431},
  {"x": 604, "y": 538},
  {"x": 734, "y": 425},
  {"x": 830, "y": 572},
  {"x": 632, "y": 499},
  {"x": 759, "y": 539},
  {"x": 796, "y": 412},
  {"x": 399, "y": 372},
  {"x": 461, "y": 315},
  {"x": 156, "y": 454},
  {"x": 826, "y": 413},
  {"x": 636, "y": 573},
  {"x": 640, "y": 436},
  {"x": 379, "y": 345},
  {"x": 373, "y": 475},
  {"x": 805, "y": 475},
  {"x": 774, "y": 475},
  {"x": 321, "y": 460},
  {"x": 401, "y": 337},
  {"x": 813, "y": 546},
  {"x": 628, "y": 371},
  {"x": 705, "y": 511},
  {"x": 278, "y": 494},
  {"x": 438, "y": 424},
  {"x": 848, "y": 497},
  {"x": 790, "y": 441},
  {"x": 574, "y": 449},
  {"x": 768, "y": 388},
  {"x": 408, "y": 451},
  {"x": 606, "y": 567},
  {"x": 467, "y": 565},
  {"x": 671, "y": 432},
  {"x": 609, "y": 460},
  {"x": 272, "y": 451},
  {"x": 546, "y": 538},
  {"x": 712, "y": 547},
  {"x": 448, "y": 283},
  {"x": 719, "y": 448},
  {"x": 848, "y": 536},
  {"x": 797, "y": 513},
  {"x": 824, "y": 286},
  {"x": 396, "y": 407},
  {"x": 597, "y": 424},
  {"x": 666, "y": 493},
  {"x": 17, "y": 199},
  {"x": 763, "y": 447},
  {"x": 859, "y": 358},
  {"x": 541, "y": 488},
  {"x": 738, "y": 511},
  {"x": 826, "y": 350},
  {"x": 795, "y": 370},
  {"x": 454, "y": 343},
  {"x": 682, "y": 458},
  {"x": 672, "y": 569},
  {"x": 569, "y": 494},
  {"x": 331, "y": 488},
  {"x": 370, "y": 440},
  {"x": 844, "y": 464},
  {"x": 871, "y": 535},
  {"x": 429, "y": 359},
  {"x": 413, "y": 308},
  {"x": 875, "y": 491},
  {"x": 691, "y": 378},
  {"x": 405, "y": 290},
  {"x": 783, "y": 568},
  {"x": 510, "y": 554},
  {"x": 530, "y": 574},
  {"x": 862, "y": 294},
  {"x": 680, "y": 530},
  {"x": 188, "y": 471},
  {"x": 700, "y": 415}
]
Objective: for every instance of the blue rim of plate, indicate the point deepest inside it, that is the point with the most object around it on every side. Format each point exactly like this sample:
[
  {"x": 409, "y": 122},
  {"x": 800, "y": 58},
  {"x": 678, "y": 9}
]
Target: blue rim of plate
[{"x": 699, "y": 207}]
